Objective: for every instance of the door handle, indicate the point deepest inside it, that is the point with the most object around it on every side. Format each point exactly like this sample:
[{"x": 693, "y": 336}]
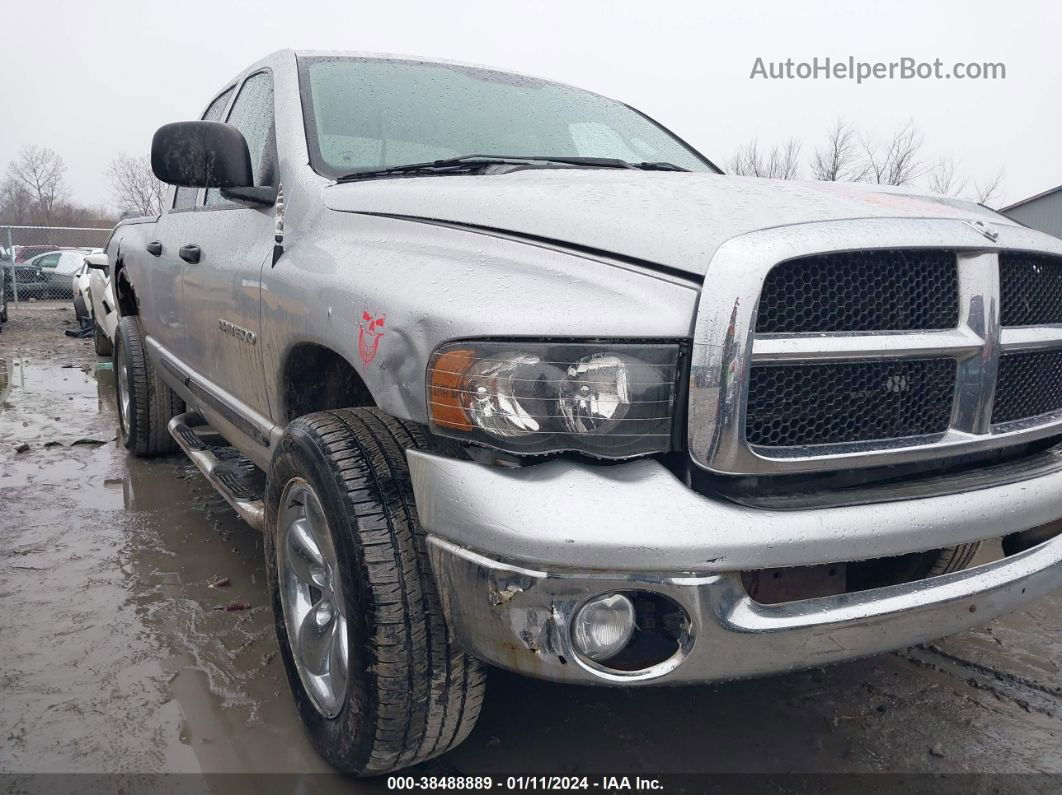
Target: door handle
[
  {"x": 190, "y": 253},
  {"x": 154, "y": 248}
]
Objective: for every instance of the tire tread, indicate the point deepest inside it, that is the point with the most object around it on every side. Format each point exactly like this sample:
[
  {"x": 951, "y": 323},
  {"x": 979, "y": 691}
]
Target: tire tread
[{"x": 427, "y": 690}]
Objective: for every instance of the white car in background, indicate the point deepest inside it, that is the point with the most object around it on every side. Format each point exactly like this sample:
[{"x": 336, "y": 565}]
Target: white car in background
[
  {"x": 80, "y": 286},
  {"x": 94, "y": 299}
]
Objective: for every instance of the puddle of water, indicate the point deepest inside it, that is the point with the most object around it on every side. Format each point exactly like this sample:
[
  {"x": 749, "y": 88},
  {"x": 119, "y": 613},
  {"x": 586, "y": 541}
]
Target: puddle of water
[{"x": 114, "y": 654}]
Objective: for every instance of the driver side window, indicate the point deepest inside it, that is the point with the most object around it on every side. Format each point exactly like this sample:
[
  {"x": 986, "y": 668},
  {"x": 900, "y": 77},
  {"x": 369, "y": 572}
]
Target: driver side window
[{"x": 252, "y": 115}]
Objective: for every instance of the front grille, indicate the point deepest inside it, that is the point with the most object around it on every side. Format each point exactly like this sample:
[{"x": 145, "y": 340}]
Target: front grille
[
  {"x": 880, "y": 290},
  {"x": 1028, "y": 385},
  {"x": 812, "y": 357},
  {"x": 1030, "y": 288},
  {"x": 829, "y": 403}
]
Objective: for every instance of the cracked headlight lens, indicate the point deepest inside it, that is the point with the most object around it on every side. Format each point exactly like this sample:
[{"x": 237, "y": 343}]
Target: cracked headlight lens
[{"x": 611, "y": 400}]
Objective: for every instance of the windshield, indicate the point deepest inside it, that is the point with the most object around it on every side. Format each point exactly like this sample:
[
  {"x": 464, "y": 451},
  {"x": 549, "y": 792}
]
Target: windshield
[{"x": 365, "y": 114}]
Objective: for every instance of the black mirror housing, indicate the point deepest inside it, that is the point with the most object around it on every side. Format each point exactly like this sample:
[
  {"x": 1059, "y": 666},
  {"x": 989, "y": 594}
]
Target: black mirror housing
[
  {"x": 263, "y": 196},
  {"x": 201, "y": 154}
]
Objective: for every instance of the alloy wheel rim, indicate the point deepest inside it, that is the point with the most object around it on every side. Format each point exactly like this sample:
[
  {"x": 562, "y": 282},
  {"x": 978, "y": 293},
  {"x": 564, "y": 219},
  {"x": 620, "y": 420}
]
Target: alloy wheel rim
[
  {"x": 123, "y": 389},
  {"x": 312, "y": 599}
]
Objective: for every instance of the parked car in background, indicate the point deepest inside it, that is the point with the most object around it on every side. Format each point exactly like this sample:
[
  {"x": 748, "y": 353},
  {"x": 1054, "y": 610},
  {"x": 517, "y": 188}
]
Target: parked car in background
[
  {"x": 60, "y": 267},
  {"x": 92, "y": 286},
  {"x": 80, "y": 286},
  {"x": 26, "y": 253},
  {"x": 32, "y": 281}
]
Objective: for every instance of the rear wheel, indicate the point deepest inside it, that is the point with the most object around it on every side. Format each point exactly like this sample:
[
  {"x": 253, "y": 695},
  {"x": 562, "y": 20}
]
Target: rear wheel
[
  {"x": 377, "y": 678},
  {"x": 145, "y": 403}
]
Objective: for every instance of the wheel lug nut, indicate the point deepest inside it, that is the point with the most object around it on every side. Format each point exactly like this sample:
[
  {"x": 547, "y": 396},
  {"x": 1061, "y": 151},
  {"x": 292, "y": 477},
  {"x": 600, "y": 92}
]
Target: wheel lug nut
[
  {"x": 325, "y": 613},
  {"x": 319, "y": 575}
]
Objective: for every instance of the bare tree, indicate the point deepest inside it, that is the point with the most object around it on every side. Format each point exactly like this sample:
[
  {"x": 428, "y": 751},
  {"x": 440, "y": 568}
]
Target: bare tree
[
  {"x": 16, "y": 203},
  {"x": 895, "y": 161},
  {"x": 847, "y": 156},
  {"x": 40, "y": 171},
  {"x": 840, "y": 159},
  {"x": 944, "y": 179},
  {"x": 134, "y": 185},
  {"x": 782, "y": 162},
  {"x": 990, "y": 190}
]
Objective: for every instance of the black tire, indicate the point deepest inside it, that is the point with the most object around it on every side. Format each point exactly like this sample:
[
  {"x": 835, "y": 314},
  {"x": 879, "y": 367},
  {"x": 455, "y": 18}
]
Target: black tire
[
  {"x": 103, "y": 346},
  {"x": 411, "y": 693},
  {"x": 151, "y": 403},
  {"x": 80, "y": 310},
  {"x": 954, "y": 558}
]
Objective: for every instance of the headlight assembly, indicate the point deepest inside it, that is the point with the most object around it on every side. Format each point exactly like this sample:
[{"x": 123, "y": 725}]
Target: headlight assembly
[{"x": 611, "y": 400}]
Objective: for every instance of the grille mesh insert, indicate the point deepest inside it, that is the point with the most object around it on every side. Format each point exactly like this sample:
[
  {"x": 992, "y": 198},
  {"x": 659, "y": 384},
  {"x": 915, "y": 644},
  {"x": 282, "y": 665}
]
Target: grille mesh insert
[
  {"x": 1030, "y": 288},
  {"x": 835, "y": 402},
  {"x": 881, "y": 290},
  {"x": 1029, "y": 384}
]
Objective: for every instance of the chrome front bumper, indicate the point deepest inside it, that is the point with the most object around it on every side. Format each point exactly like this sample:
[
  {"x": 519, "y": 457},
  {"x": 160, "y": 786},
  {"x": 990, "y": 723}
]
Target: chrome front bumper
[
  {"x": 518, "y": 618},
  {"x": 515, "y": 553}
]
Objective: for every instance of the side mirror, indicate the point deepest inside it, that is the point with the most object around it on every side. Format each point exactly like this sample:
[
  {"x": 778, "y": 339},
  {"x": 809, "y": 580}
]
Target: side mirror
[
  {"x": 201, "y": 154},
  {"x": 98, "y": 262}
]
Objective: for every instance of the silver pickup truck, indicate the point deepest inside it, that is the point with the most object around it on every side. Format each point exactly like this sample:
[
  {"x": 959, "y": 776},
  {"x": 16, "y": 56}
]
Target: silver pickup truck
[{"x": 507, "y": 373}]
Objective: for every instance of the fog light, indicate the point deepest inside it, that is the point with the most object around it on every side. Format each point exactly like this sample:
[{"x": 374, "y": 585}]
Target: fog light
[{"x": 603, "y": 626}]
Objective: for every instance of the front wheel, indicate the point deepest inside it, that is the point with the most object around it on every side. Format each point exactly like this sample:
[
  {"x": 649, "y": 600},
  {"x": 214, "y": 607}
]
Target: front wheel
[
  {"x": 80, "y": 309},
  {"x": 377, "y": 678}
]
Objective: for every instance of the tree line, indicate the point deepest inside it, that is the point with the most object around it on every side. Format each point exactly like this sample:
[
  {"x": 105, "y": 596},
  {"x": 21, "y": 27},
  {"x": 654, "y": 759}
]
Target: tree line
[
  {"x": 850, "y": 156},
  {"x": 34, "y": 191}
]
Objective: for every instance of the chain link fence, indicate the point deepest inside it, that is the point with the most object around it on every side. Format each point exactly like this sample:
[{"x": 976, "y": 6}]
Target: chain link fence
[{"x": 39, "y": 263}]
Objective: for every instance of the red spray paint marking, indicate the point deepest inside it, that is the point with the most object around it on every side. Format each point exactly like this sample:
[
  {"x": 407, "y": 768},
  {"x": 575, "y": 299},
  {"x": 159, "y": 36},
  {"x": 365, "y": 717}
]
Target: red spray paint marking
[{"x": 370, "y": 332}]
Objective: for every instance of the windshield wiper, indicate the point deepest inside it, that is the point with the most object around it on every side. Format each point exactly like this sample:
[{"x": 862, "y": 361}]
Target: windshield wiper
[
  {"x": 466, "y": 163},
  {"x": 660, "y": 166}
]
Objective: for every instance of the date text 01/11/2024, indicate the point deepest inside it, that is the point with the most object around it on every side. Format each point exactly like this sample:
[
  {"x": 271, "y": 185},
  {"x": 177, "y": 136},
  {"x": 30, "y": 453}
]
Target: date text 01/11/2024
[{"x": 526, "y": 783}]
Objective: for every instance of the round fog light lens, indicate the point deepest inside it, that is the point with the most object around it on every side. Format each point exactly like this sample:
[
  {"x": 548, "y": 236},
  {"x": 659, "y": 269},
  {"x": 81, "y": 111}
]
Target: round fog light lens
[{"x": 603, "y": 626}]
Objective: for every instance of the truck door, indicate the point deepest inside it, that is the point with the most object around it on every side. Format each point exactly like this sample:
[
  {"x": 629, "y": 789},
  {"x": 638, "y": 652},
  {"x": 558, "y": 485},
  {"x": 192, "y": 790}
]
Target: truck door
[
  {"x": 162, "y": 303},
  {"x": 222, "y": 289}
]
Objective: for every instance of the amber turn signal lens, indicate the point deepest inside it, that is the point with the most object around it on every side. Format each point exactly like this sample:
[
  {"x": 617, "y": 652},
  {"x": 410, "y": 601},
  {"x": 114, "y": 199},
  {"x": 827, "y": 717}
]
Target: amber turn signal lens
[{"x": 445, "y": 381}]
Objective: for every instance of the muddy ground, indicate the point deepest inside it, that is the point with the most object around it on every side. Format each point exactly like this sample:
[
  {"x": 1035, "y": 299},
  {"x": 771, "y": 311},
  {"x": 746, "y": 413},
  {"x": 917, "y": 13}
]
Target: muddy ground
[{"x": 116, "y": 653}]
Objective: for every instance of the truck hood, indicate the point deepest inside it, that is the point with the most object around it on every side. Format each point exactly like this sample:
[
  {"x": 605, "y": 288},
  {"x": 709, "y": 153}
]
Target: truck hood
[{"x": 669, "y": 218}]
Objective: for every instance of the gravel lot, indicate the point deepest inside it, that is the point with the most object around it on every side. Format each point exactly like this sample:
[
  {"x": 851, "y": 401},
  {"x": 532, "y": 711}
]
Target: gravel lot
[{"x": 117, "y": 655}]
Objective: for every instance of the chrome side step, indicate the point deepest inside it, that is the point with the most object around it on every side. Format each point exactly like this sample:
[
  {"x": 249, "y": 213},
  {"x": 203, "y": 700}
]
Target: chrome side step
[{"x": 222, "y": 466}]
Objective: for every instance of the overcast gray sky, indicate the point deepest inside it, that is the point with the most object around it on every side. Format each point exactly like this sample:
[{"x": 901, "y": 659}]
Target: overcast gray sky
[{"x": 91, "y": 80}]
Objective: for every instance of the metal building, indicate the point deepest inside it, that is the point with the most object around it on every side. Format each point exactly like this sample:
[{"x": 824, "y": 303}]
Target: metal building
[{"x": 1043, "y": 211}]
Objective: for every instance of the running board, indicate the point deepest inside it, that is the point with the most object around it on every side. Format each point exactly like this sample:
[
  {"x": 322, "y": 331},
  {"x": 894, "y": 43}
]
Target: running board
[{"x": 228, "y": 472}]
